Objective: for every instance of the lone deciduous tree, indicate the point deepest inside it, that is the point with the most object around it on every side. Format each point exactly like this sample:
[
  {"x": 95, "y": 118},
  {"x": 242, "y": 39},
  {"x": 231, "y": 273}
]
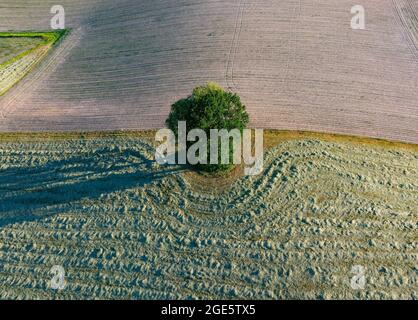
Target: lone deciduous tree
[{"x": 210, "y": 107}]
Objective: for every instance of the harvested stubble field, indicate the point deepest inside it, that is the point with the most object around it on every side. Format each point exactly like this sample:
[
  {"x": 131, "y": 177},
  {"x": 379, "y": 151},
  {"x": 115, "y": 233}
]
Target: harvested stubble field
[
  {"x": 124, "y": 227},
  {"x": 296, "y": 63}
]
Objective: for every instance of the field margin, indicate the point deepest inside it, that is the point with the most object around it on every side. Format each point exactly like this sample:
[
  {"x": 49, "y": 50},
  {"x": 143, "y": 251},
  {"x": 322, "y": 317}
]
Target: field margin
[{"x": 50, "y": 38}]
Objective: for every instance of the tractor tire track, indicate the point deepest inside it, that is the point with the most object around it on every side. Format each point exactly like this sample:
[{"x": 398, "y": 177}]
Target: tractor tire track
[{"x": 408, "y": 26}]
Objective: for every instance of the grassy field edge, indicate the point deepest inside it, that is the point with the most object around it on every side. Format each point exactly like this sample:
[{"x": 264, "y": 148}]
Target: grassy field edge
[
  {"x": 271, "y": 137},
  {"x": 50, "y": 39}
]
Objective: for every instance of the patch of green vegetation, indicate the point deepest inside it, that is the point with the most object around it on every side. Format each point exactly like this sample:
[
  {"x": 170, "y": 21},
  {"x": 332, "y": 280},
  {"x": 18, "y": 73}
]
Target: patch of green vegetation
[
  {"x": 49, "y": 38},
  {"x": 11, "y": 47},
  {"x": 210, "y": 107},
  {"x": 20, "y": 59}
]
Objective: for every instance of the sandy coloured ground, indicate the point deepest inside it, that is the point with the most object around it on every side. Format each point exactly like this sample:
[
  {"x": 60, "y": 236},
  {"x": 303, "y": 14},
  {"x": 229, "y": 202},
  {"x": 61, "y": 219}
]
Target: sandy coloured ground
[
  {"x": 297, "y": 64},
  {"x": 124, "y": 227}
]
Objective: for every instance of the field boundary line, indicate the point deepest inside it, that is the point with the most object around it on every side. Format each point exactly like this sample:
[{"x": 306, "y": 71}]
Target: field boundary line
[{"x": 53, "y": 59}]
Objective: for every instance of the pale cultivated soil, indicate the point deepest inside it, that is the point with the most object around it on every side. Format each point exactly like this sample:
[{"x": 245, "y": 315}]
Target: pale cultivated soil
[
  {"x": 297, "y": 64},
  {"x": 123, "y": 227}
]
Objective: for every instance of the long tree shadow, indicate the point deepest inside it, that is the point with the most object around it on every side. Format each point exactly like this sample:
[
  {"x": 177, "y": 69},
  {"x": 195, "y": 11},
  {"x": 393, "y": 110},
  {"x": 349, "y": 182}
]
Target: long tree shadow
[{"x": 27, "y": 194}]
